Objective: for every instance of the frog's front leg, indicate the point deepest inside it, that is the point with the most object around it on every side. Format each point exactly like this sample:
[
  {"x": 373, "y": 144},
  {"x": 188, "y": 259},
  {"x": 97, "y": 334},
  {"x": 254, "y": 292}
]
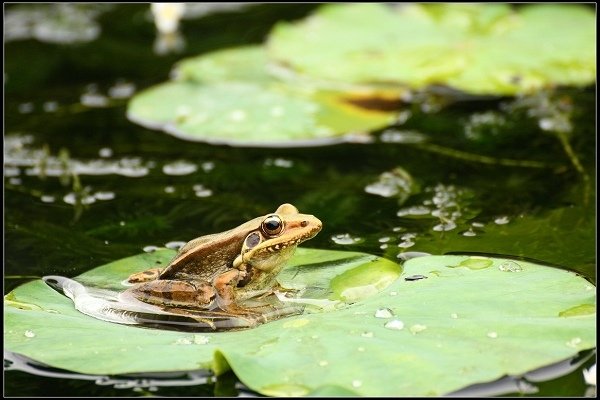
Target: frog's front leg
[
  {"x": 166, "y": 292},
  {"x": 145, "y": 276},
  {"x": 225, "y": 285}
]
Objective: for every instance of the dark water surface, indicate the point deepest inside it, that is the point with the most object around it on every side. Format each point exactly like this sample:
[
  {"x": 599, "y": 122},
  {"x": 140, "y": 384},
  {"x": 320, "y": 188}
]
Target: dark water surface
[{"x": 545, "y": 212}]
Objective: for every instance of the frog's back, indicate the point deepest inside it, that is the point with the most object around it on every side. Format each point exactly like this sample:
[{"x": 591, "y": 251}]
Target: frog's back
[{"x": 203, "y": 257}]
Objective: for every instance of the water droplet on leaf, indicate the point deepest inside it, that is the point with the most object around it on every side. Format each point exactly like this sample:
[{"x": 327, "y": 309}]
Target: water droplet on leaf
[
  {"x": 395, "y": 324},
  {"x": 384, "y": 313},
  {"x": 510, "y": 266},
  {"x": 414, "y": 329}
]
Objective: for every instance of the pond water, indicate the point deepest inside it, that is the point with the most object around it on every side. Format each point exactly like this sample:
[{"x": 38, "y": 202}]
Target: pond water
[{"x": 444, "y": 180}]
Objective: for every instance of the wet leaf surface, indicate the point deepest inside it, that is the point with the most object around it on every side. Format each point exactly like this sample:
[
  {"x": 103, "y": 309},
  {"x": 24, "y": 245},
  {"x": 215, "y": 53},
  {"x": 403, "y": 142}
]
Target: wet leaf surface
[{"x": 480, "y": 323}]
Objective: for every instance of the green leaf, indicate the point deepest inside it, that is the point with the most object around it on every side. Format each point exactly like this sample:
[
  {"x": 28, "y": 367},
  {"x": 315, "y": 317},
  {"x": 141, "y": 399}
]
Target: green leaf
[
  {"x": 461, "y": 326},
  {"x": 229, "y": 97},
  {"x": 476, "y": 48}
]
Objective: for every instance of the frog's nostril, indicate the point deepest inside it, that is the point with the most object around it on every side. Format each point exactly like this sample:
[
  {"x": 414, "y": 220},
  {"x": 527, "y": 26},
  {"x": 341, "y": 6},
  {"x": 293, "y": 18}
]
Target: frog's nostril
[{"x": 303, "y": 223}]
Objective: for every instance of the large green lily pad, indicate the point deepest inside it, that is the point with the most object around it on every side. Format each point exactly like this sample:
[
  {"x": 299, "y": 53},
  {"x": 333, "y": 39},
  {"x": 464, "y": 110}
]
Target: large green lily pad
[
  {"x": 470, "y": 320},
  {"x": 477, "y": 48},
  {"x": 229, "y": 97}
]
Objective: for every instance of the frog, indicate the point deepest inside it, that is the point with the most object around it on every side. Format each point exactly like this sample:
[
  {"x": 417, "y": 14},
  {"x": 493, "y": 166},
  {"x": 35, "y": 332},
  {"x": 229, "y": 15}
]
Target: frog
[{"x": 220, "y": 270}]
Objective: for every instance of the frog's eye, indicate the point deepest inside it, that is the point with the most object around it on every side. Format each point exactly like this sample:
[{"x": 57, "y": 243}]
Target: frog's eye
[{"x": 272, "y": 225}]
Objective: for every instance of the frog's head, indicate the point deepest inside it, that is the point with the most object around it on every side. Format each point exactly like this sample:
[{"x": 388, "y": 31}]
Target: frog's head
[{"x": 275, "y": 239}]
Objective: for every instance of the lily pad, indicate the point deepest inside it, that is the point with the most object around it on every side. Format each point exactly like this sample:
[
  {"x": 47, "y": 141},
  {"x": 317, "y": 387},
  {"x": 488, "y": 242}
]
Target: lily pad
[
  {"x": 477, "y": 48},
  {"x": 228, "y": 97},
  {"x": 455, "y": 327}
]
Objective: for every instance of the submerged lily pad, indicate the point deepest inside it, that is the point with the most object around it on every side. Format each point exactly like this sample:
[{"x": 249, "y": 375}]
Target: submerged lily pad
[
  {"x": 229, "y": 97},
  {"x": 477, "y": 48},
  {"x": 458, "y": 327}
]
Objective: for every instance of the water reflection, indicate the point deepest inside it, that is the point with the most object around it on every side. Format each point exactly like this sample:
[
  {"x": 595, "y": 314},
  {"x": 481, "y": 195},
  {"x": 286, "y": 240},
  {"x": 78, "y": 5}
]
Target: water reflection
[
  {"x": 523, "y": 384},
  {"x": 123, "y": 308},
  {"x": 54, "y": 23},
  {"x": 150, "y": 381}
]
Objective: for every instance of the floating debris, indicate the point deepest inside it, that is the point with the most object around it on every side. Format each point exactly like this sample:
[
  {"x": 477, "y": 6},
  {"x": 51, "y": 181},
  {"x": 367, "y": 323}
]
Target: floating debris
[
  {"x": 150, "y": 249},
  {"x": 397, "y": 136},
  {"x": 47, "y": 198},
  {"x": 91, "y": 97},
  {"x": 176, "y": 245},
  {"x": 279, "y": 162},
  {"x": 356, "y": 383},
  {"x": 105, "y": 152},
  {"x": 576, "y": 341},
  {"x": 482, "y": 126},
  {"x": 180, "y": 167},
  {"x": 207, "y": 166},
  {"x": 50, "y": 106},
  {"x": 414, "y": 211},
  {"x": 367, "y": 334},
  {"x": 25, "y": 108},
  {"x": 397, "y": 182},
  {"x": 121, "y": 90},
  {"x": 345, "y": 238},
  {"x": 407, "y": 240},
  {"x": 323, "y": 363},
  {"x": 54, "y": 23},
  {"x": 40, "y": 163},
  {"x": 415, "y": 277},
  {"x": 77, "y": 198},
  {"x": 492, "y": 335},
  {"x": 29, "y": 334},
  {"x": 454, "y": 315},
  {"x": 469, "y": 233},
  {"x": 104, "y": 195},
  {"x": 501, "y": 220},
  {"x": 446, "y": 226},
  {"x": 201, "y": 191}
]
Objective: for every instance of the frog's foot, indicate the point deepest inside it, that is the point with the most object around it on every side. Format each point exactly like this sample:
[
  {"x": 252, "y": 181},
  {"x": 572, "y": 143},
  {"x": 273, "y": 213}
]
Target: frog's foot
[
  {"x": 145, "y": 276},
  {"x": 166, "y": 292}
]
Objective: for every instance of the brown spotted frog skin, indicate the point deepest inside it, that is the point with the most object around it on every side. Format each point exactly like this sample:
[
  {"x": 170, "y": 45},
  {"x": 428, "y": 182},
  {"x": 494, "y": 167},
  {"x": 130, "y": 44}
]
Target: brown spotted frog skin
[{"x": 216, "y": 270}]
